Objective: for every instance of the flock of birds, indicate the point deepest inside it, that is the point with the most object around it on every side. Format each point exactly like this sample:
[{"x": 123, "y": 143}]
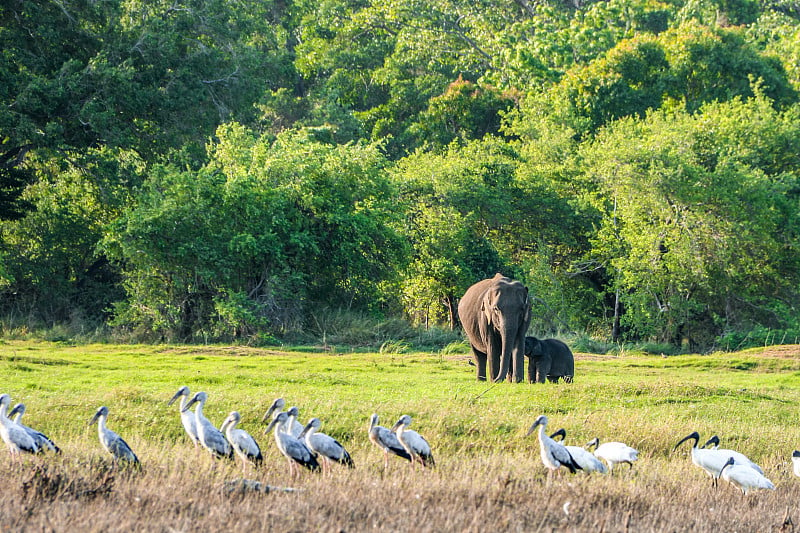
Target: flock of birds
[
  {"x": 732, "y": 466},
  {"x": 306, "y": 446},
  {"x": 302, "y": 445}
]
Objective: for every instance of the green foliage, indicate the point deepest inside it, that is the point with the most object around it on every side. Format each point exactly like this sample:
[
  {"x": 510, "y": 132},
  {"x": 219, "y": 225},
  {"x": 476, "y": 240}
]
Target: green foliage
[
  {"x": 240, "y": 245},
  {"x": 222, "y": 169}
]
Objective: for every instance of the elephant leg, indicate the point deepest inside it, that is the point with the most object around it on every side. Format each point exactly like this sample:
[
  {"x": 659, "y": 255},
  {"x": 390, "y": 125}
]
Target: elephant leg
[
  {"x": 494, "y": 365},
  {"x": 531, "y": 370},
  {"x": 542, "y": 368},
  {"x": 480, "y": 363}
]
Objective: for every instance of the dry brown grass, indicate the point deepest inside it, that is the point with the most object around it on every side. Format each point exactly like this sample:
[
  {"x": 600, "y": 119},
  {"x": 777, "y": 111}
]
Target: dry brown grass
[{"x": 182, "y": 490}]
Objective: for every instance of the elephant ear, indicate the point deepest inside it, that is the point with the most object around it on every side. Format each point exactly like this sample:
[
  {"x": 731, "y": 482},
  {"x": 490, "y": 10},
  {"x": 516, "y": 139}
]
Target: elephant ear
[
  {"x": 487, "y": 312},
  {"x": 527, "y": 307}
]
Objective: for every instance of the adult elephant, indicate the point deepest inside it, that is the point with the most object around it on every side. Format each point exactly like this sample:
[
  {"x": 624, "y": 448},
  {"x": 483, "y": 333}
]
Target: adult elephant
[{"x": 495, "y": 314}]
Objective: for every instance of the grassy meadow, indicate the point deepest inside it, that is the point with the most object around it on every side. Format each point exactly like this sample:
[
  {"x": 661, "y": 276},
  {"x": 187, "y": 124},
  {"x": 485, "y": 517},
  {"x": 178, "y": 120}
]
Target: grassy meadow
[{"x": 489, "y": 473}]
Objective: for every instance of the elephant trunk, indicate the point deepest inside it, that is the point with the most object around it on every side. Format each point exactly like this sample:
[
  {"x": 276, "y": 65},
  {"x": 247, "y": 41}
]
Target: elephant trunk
[{"x": 511, "y": 351}]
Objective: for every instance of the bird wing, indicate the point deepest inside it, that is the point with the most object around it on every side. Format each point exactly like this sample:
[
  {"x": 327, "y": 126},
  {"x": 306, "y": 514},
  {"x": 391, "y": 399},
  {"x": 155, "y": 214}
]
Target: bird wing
[
  {"x": 120, "y": 449},
  {"x": 246, "y": 444},
  {"x": 562, "y": 455},
  {"x": 216, "y": 442},
  {"x": 587, "y": 461},
  {"x": 21, "y": 438},
  {"x": 388, "y": 441},
  {"x": 299, "y": 452}
]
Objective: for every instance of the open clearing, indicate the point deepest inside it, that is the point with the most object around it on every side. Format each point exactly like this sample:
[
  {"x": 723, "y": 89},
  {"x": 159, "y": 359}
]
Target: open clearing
[{"x": 489, "y": 474}]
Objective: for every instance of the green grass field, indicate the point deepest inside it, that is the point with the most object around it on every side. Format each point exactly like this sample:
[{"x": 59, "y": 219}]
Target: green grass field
[{"x": 488, "y": 469}]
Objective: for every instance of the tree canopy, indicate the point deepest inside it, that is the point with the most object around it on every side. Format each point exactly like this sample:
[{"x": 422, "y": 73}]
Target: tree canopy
[{"x": 202, "y": 169}]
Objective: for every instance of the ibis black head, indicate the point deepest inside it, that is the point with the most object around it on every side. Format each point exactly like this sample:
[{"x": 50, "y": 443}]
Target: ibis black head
[
  {"x": 693, "y": 435},
  {"x": 561, "y": 433}
]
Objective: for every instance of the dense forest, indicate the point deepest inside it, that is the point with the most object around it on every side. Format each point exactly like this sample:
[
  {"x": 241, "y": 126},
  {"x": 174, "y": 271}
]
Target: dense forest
[{"x": 189, "y": 170}]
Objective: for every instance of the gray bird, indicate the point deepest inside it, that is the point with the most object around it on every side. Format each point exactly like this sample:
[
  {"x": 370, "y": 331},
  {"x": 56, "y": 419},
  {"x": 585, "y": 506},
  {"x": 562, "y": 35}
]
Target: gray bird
[
  {"x": 294, "y": 427},
  {"x": 209, "y": 436},
  {"x": 15, "y": 437},
  {"x": 325, "y": 446},
  {"x": 113, "y": 443},
  {"x": 187, "y": 417},
  {"x": 386, "y": 440},
  {"x": 293, "y": 449},
  {"x": 42, "y": 441},
  {"x": 242, "y": 442},
  {"x": 414, "y": 444},
  {"x": 554, "y": 454}
]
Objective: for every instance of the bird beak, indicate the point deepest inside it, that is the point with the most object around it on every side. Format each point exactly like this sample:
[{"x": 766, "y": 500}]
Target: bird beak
[
  {"x": 269, "y": 412},
  {"x": 533, "y": 427},
  {"x": 694, "y": 435},
  {"x": 729, "y": 463},
  {"x": 14, "y": 411},
  {"x": 94, "y": 418},
  {"x": 189, "y": 404},
  {"x": 271, "y": 425},
  {"x": 177, "y": 395}
]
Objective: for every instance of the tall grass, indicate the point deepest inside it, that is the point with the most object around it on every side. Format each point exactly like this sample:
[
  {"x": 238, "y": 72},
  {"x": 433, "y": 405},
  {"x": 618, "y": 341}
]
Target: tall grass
[{"x": 489, "y": 473}]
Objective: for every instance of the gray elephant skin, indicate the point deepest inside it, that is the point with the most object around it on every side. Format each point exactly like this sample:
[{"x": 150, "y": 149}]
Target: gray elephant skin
[
  {"x": 495, "y": 314},
  {"x": 549, "y": 358}
]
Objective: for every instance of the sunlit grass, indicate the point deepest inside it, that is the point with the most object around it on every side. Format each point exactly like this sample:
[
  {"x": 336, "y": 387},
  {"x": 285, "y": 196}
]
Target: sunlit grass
[{"x": 477, "y": 430}]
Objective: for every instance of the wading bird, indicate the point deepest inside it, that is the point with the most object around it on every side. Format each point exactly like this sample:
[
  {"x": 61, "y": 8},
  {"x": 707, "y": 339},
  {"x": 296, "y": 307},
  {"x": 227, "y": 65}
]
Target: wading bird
[
  {"x": 796, "y": 462},
  {"x": 16, "y": 438},
  {"x": 42, "y": 441},
  {"x": 295, "y": 427},
  {"x": 387, "y": 441},
  {"x": 292, "y": 448},
  {"x": 242, "y": 442},
  {"x": 113, "y": 443},
  {"x": 587, "y": 461},
  {"x": 325, "y": 446},
  {"x": 744, "y": 477},
  {"x": 709, "y": 459},
  {"x": 413, "y": 443},
  {"x": 739, "y": 458},
  {"x": 188, "y": 418},
  {"x": 554, "y": 454},
  {"x": 209, "y": 436},
  {"x": 613, "y": 453}
]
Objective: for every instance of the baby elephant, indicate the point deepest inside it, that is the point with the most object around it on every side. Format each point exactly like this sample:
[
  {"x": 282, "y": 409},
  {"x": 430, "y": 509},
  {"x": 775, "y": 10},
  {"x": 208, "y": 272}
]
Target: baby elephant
[{"x": 549, "y": 358}]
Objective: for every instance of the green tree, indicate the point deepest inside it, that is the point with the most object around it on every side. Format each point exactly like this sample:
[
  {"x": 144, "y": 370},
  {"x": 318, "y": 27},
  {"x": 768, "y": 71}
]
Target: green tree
[
  {"x": 700, "y": 232},
  {"x": 254, "y": 240}
]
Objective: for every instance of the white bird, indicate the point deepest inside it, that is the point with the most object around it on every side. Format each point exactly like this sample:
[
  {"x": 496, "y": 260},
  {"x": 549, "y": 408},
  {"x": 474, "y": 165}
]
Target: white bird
[
  {"x": 209, "y": 436},
  {"x": 292, "y": 448},
  {"x": 42, "y": 441},
  {"x": 712, "y": 460},
  {"x": 113, "y": 443},
  {"x": 325, "y": 446},
  {"x": 15, "y": 437},
  {"x": 739, "y": 458},
  {"x": 613, "y": 453},
  {"x": 242, "y": 442},
  {"x": 587, "y": 461},
  {"x": 295, "y": 427},
  {"x": 796, "y": 462},
  {"x": 554, "y": 454},
  {"x": 413, "y": 443},
  {"x": 387, "y": 441},
  {"x": 188, "y": 418},
  {"x": 744, "y": 477}
]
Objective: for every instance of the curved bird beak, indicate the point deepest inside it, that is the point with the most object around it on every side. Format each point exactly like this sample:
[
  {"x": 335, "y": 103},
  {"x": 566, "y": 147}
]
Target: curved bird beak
[
  {"x": 727, "y": 464},
  {"x": 693, "y": 435}
]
